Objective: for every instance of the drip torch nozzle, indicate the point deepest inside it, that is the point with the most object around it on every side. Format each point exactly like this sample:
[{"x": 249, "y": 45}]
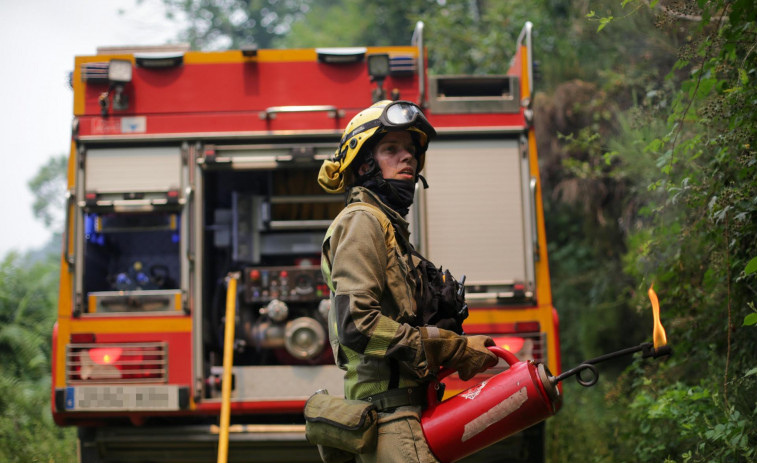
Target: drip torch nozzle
[
  {"x": 647, "y": 349},
  {"x": 650, "y": 351}
]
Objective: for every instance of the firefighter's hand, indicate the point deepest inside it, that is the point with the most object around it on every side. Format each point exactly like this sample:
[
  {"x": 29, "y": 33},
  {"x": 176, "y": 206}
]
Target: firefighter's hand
[
  {"x": 467, "y": 355},
  {"x": 477, "y": 357}
]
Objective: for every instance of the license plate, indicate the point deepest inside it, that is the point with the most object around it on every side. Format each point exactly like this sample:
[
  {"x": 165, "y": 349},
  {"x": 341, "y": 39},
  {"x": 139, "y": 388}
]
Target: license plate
[{"x": 101, "y": 398}]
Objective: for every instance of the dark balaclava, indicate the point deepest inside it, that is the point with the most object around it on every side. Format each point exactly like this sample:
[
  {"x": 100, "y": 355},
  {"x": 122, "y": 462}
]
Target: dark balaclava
[{"x": 397, "y": 194}]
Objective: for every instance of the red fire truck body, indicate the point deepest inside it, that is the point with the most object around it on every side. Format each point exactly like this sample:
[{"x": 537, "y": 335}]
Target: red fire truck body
[{"x": 187, "y": 167}]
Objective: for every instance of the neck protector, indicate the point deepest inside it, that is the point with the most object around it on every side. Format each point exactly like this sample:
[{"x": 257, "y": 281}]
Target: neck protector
[{"x": 397, "y": 194}]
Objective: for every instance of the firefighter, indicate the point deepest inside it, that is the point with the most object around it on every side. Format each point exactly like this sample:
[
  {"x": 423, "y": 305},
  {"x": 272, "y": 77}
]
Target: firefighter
[{"x": 388, "y": 357}]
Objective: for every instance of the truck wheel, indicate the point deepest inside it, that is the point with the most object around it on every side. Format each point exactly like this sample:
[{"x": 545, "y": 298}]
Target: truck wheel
[
  {"x": 86, "y": 446},
  {"x": 532, "y": 449}
]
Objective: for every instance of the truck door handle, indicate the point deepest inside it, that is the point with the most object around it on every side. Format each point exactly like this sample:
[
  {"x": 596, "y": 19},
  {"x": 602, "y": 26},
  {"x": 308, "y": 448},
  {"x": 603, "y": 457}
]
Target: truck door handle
[
  {"x": 67, "y": 234},
  {"x": 270, "y": 112},
  {"x": 534, "y": 224}
]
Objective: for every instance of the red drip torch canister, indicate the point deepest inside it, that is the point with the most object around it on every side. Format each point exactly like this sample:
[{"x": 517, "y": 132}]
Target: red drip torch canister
[{"x": 519, "y": 397}]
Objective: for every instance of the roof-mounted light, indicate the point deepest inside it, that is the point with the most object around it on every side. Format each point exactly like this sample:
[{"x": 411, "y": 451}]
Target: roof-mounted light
[
  {"x": 341, "y": 55},
  {"x": 119, "y": 71},
  {"x": 378, "y": 66},
  {"x": 249, "y": 51},
  {"x": 378, "y": 69},
  {"x": 159, "y": 60}
]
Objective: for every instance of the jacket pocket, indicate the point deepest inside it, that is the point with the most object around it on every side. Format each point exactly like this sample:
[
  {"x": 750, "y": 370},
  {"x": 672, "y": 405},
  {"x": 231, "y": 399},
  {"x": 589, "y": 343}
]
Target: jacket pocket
[{"x": 349, "y": 425}]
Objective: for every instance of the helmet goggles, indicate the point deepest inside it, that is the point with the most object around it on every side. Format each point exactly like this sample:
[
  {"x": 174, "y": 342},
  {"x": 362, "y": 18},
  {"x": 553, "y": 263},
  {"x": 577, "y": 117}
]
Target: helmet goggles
[
  {"x": 396, "y": 116},
  {"x": 400, "y": 115}
]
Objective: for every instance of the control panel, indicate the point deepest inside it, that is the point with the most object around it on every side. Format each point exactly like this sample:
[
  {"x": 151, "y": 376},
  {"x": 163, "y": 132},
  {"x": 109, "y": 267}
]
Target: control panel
[{"x": 287, "y": 284}]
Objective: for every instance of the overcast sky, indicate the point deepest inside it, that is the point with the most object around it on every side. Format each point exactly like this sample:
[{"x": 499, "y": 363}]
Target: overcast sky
[{"x": 38, "y": 42}]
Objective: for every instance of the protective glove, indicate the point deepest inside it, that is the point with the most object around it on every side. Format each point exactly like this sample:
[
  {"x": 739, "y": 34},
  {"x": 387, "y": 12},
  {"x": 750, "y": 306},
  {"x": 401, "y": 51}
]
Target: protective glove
[
  {"x": 450, "y": 324},
  {"x": 467, "y": 355}
]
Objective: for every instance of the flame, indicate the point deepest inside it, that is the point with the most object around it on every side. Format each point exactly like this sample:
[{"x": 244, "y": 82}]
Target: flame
[{"x": 658, "y": 332}]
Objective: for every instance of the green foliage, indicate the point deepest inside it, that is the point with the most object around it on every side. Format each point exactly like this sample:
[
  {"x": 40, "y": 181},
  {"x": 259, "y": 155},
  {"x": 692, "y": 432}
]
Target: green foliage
[
  {"x": 751, "y": 267},
  {"x": 586, "y": 427},
  {"x": 675, "y": 421},
  {"x": 28, "y": 310},
  {"x": 694, "y": 236},
  {"x": 677, "y": 158},
  {"x": 339, "y": 23},
  {"x": 28, "y": 295},
  {"x": 232, "y": 24},
  {"x": 48, "y": 187},
  {"x": 751, "y": 319},
  {"x": 476, "y": 38},
  {"x": 686, "y": 422},
  {"x": 27, "y": 431},
  {"x": 590, "y": 291}
]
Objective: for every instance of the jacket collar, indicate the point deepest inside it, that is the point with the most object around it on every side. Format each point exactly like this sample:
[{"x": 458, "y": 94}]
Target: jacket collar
[{"x": 364, "y": 195}]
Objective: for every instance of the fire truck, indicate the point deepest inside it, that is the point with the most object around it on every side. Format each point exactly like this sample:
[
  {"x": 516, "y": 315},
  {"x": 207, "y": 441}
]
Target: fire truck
[{"x": 189, "y": 169}]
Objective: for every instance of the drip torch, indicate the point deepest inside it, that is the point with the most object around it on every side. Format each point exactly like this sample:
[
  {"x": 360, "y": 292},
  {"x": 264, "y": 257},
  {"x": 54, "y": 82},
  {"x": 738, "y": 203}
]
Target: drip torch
[{"x": 521, "y": 396}]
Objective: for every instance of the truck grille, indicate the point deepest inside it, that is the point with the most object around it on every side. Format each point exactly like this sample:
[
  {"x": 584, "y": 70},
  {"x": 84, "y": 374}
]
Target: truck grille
[
  {"x": 539, "y": 352},
  {"x": 117, "y": 363}
]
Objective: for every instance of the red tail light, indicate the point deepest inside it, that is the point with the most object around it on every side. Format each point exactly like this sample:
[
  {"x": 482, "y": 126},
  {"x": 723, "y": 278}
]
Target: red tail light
[
  {"x": 105, "y": 356},
  {"x": 512, "y": 343},
  {"x": 122, "y": 363}
]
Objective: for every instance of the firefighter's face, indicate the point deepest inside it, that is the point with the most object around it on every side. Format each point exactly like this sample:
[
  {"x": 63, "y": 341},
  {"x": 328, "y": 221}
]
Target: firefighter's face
[{"x": 395, "y": 156}]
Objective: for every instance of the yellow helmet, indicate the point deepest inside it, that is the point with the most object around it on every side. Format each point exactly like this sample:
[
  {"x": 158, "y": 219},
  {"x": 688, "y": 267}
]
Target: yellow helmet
[{"x": 384, "y": 116}]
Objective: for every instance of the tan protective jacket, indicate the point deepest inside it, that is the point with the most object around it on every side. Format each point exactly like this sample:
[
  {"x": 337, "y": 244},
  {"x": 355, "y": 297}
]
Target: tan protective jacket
[{"x": 373, "y": 317}]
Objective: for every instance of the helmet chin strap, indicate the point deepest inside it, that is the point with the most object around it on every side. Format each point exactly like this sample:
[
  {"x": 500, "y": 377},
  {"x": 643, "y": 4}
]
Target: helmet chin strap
[
  {"x": 423, "y": 180},
  {"x": 373, "y": 170}
]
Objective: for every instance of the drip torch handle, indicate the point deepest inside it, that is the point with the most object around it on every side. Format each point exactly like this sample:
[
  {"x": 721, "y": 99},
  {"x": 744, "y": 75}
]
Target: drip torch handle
[
  {"x": 436, "y": 385},
  {"x": 504, "y": 354}
]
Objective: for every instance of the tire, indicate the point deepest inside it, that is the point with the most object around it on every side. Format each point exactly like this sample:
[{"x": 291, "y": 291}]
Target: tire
[
  {"x": 86, "y": 446},
  {"x": 533, "y": 447}
]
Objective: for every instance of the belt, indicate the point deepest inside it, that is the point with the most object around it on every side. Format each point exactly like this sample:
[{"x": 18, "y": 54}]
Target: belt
[{"x": 401, "y": 397}]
